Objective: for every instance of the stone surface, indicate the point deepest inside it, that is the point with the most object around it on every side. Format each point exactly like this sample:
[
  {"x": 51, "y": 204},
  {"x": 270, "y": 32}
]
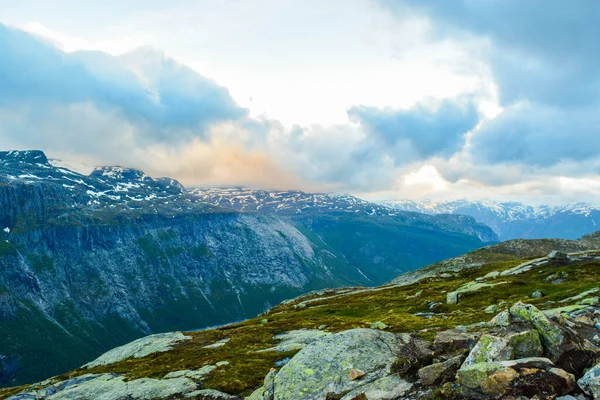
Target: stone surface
[
  {"x": 551, "y": 334},
  {"x": 196, "y": 374},
  {"x": 452, "y": 298},
  {"x": 530, "y": 377},
  {"x": 296, "y": 340},
  {"x": 510, "y": 346},
  {"x": 113, "y": 387},
  {"x": 452, "y": 340},
  {"x": 438, "y": 373},
  {"x": 388, "y": 388},
  {"x": 209, "y": 394},
  {"x": 140, "y": 348},
  {"x": 217, "y": 344},
  {"x": 323, "y": 367},
  {"x": 590, "y": 382},
  {"x": 558, "y": 256},
  {"x": 501, "y": 319}
]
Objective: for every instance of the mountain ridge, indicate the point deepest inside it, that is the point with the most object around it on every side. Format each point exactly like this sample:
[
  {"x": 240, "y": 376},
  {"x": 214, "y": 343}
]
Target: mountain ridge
[{"x": 511, "y": 220}]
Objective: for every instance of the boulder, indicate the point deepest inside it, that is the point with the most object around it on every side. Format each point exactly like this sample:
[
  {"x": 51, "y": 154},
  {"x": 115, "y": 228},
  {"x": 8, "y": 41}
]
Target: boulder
[
  {"x": 267, "y": 391},
  {"x": 503, "y": 348},
  {"x": 590, "y": 382},
  {"x": 452, "y": 340},
  {"x": 439, "y": 373},
  {"x": 501, "y": 319},
  {"x": 296, "y": 340},
  {"x": 196, "y": 374},
  {"x": 558, "y": 256},
  {"x": 551, "y": 334},
  {"x": 388, "y": 388},
  {"x": 140, "y": 348},
  {"x": 112, "y": 387},
  {"x": 561, "y": 345},
  {"x": 452, "y": 298},
  {"x": 527, "y": 377},
  {"x": 210, "y": 394},
  {"x": 323, "y": 367}
]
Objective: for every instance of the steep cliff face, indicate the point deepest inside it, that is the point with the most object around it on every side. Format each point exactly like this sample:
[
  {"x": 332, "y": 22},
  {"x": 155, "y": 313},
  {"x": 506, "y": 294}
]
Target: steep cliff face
[{"x": 88, "y": 262}]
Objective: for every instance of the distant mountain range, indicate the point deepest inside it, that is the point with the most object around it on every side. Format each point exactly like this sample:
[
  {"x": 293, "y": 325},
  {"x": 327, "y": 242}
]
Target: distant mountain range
[
  {"x": 513, "y": 220},
  {"x": 88, "y": 262}
]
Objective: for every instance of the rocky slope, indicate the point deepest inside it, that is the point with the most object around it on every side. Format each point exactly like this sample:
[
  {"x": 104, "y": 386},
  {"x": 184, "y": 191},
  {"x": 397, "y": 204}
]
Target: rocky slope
[
  {"x": 363, "y": 233},
  {"x": 504, "y": 325},
  {"x": 513, "y": 220},
  {"x": 304, "y": 205},
  {"x": 89, "y": 262}
]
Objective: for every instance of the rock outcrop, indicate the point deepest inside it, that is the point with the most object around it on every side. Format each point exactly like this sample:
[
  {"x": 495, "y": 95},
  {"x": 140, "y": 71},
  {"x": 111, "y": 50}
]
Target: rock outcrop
[
  {"x": 523, "y": 353},
  {"x": 324, "y": 367}
]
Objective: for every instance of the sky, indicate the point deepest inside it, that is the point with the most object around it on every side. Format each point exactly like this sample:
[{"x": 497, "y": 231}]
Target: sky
[{"x": 385, "y": 99}]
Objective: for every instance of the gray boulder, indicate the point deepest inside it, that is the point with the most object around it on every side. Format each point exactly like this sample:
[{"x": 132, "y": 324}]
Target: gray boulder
[
  {"x": 564, "y": 347},
  {"x": 140, "y": 348},
  {"x": 510, "y": 346},
  {"x": 296, "y": 340},
  {"x": 438, "y": 373},
  {"x": 530, "y": 376},
  {"x": 558, "y": 256},
  {"x": 590, "y": 382},
  {"x": 388, "y": 388},
  {"x": 452, "y": 340},
  {"x": 323, "y": 367},
  {"x": 112, "y": 387}
]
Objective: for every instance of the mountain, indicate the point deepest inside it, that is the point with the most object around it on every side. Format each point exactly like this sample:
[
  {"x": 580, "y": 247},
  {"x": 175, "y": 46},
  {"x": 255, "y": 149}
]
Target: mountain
[
  {"x": 379, "y": 241},
  {"x": 513, "y": 220},
  {"x": 89, "y": 262},
  {"x": 506, "y": 321}
]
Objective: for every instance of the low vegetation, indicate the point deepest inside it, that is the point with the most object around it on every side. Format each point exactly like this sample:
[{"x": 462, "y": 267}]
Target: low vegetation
[{"x": 417, "y": 307}]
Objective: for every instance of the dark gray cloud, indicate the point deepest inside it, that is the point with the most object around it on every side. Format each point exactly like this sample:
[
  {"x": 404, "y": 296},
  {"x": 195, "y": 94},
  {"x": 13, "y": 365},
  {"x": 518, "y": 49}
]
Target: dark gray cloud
[
  {"x": 539, "y": 136},
  {"x": 163, "y": 98},
  {"x": 420, "y": 132}
]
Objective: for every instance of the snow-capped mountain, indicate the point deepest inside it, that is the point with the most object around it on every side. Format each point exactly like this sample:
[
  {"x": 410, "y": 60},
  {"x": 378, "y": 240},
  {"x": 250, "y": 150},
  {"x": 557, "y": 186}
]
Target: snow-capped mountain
[
  {"x": 289, "y": 201},
  {"x": 300, "y": 204},
  {"x": 512, "y": 220}
]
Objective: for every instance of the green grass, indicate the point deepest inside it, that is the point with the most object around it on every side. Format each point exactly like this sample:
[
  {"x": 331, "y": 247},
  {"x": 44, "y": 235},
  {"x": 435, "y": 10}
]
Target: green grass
[{"x": 393, "y": 305}]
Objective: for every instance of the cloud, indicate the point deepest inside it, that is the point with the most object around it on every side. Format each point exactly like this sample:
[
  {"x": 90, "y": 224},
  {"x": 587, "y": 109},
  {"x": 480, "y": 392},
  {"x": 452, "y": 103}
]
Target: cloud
[
  {"x": 543, "y": 51},
  {"x": 145, "y": 88},
  {"x": 539, "y": 136},
  {"x": 420, "y": 132}
]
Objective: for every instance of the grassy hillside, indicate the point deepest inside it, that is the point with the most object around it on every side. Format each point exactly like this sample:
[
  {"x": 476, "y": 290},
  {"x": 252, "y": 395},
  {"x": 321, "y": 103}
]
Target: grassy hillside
[{"x": 417, "y": 306}]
